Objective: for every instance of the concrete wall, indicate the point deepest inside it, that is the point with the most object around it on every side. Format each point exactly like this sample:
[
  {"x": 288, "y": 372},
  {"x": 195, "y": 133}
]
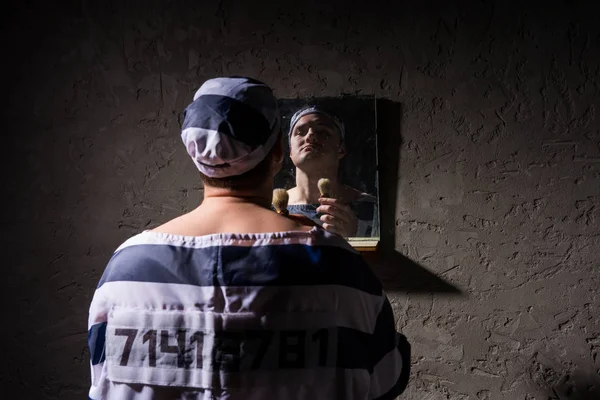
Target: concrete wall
[{"x": 499, "y": 175}]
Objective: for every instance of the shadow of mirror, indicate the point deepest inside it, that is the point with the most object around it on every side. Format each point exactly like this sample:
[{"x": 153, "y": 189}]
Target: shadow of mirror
[
  {"x": 397, "y": 272},
  {"x": 369, "y": 131}
]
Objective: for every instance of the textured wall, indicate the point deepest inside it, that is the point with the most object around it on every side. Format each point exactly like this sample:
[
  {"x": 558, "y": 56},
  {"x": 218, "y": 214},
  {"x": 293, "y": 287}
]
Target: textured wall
[{"x": 499, "y": 175}]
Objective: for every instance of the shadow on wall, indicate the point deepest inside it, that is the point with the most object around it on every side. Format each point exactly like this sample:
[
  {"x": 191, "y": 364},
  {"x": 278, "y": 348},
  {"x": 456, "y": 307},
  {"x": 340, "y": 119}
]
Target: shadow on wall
[
  {"x": 397, "y": 272},
  {"x": 563, "y": 382}
]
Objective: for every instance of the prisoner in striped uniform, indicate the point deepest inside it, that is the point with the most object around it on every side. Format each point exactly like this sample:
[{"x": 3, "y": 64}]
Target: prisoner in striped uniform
[{"x": 232, "y": 300}]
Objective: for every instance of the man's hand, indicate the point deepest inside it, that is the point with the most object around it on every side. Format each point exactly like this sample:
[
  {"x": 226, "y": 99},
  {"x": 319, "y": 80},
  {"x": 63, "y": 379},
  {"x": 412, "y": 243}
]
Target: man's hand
[{"x": 339, "y": 217}]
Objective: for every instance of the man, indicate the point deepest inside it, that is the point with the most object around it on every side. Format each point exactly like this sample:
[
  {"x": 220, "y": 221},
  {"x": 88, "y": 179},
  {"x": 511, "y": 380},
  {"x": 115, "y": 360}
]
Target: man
[
  {"x": 232, "y": 300},
  {"x": 316, "y": 147}
]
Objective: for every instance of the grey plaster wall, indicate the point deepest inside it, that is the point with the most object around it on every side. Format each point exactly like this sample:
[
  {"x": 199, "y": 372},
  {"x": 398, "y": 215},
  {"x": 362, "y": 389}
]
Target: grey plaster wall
[{"x": 499, "y": 174}]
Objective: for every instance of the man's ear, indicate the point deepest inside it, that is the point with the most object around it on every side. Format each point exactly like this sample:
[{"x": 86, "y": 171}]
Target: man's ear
[{"x": 341, "y": 151}]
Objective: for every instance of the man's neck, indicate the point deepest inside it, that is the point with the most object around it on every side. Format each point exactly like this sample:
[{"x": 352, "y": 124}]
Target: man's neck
[
  {"x": 228, "y": 197},
  {"x": 307, "y": 188}
]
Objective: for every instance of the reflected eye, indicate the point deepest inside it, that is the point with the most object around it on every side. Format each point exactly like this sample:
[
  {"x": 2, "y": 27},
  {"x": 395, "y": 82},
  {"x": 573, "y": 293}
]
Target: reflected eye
[
  {"x": 322, "y": 132},
  {"x": 299, "y": 132}
]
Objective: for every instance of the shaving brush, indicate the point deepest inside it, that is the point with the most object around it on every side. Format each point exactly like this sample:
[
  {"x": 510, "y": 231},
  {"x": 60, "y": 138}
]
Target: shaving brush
[
  {"x": 280, "y": 201},
  {"x": 324, "y": 187}
]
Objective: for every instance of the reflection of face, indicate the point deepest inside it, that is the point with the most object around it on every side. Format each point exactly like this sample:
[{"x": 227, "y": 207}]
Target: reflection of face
[{"x": 315, "y": 139}]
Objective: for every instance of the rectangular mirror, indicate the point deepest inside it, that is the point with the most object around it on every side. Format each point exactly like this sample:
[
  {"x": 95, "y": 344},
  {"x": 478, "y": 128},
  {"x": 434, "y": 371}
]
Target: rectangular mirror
[{"x": 357, "y": 176}]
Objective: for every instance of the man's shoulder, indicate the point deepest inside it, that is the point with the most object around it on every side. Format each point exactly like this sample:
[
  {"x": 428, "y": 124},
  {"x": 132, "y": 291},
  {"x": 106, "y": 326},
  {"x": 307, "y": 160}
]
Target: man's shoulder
[{"x": 132, "y": 257}]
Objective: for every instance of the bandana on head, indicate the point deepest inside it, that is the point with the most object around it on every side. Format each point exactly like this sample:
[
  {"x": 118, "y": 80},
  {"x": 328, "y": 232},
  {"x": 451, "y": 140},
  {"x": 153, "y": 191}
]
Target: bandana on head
[
  {"x": 316, "y": 110},
  {"x": 231, "y": 126}
]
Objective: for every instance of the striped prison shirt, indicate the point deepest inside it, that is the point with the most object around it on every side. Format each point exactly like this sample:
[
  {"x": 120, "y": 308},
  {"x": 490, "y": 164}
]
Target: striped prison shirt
[{"x": 289, "y": 315}]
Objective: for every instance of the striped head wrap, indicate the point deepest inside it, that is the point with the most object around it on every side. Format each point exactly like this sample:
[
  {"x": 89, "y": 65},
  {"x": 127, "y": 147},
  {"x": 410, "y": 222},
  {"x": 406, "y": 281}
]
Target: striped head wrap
[{"x": 231, "y": 126}]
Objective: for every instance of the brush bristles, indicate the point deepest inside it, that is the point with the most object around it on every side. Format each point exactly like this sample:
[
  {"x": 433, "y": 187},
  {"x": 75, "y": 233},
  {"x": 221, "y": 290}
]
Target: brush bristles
[
  {"x": 324, "y": 187},
  {"x": 280, "y": 201}
]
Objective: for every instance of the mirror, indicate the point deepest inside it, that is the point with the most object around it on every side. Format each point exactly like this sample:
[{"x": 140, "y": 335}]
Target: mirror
[{"x": 357, "y": 170}]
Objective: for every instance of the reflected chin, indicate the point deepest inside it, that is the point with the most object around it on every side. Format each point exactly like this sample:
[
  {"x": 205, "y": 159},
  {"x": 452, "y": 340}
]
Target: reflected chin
[
  {"x": 312, "y": 152},
  {"x": 309, "y": 155}
]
